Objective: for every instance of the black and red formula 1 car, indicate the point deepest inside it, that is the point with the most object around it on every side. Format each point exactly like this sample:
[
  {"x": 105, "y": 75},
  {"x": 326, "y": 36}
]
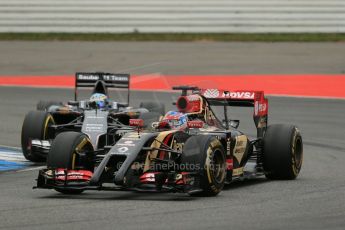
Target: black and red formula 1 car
[{"x": 189, "y": 150}]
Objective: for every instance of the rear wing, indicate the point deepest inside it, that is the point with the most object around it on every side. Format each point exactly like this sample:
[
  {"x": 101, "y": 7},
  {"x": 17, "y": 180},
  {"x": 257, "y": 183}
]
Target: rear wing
[
  {"x": 105, "y": 80},
  {"x": 241, "y": 98}
]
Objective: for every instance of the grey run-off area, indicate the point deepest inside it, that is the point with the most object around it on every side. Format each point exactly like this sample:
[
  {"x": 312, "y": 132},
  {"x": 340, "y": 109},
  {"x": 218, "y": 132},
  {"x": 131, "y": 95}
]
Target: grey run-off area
[{"x": 171, "y": 58}]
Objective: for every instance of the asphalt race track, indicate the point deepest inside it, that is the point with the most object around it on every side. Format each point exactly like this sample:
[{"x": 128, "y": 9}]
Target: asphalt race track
[{"x": 316, "y": 200}]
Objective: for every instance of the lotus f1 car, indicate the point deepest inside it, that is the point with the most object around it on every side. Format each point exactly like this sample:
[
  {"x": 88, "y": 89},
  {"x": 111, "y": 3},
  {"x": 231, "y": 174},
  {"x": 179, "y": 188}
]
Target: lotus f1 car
[
  {"x": 99, "y": 118},
  {"x": 190, "y": 150}
]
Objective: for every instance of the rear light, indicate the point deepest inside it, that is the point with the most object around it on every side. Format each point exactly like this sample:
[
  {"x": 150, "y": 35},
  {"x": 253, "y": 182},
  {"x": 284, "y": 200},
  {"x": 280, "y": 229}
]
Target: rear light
[
  {"x": 136, "y": 122},
  {"x": 189, "y": 104},
  {"x": 195, "y": 124}
]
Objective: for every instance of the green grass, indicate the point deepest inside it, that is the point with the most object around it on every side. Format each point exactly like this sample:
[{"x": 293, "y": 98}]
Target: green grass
[{"x": 306, "y": 37}]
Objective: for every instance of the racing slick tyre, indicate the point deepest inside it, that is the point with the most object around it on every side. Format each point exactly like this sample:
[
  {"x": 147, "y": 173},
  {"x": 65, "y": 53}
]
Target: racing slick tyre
[
  {"x": 283, "y": 152},
  {"x": 154, "y": 107},
  {"x": 206, "y": 156},
  {"x": 64, "y": 153},
  {"x": 35, "y": 126},
  {"x": 44, "y": 105}
]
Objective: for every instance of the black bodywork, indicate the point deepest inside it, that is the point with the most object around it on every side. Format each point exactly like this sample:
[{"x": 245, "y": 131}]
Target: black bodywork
[{"x": 150, "y": 160}]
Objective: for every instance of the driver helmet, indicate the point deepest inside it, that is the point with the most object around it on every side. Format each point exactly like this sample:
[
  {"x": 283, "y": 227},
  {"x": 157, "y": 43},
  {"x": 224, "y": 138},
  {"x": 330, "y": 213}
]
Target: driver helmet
[
  {"x": 175, "y": 120},
  {"x": 100, "y": 99}
]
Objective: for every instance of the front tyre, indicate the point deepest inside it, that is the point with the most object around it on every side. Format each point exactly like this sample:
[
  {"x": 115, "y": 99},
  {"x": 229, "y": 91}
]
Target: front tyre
[
  {"x": 71, "y": 151},
  {"x": 35, "y": 126},
  {"x": 283, "y": 152},
  {"x": 206, "y": 156}
]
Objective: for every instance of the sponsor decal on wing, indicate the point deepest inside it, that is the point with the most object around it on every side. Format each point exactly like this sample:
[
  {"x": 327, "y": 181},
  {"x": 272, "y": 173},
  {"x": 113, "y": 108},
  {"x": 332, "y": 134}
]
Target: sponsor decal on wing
[
  {"x": 88, "y": 77},
  {"x": 211, "y": 93},
  {"x": 260, "y": 108},
  {"x": 239, "y": 95},
  {"x": 216, "y": 93}
]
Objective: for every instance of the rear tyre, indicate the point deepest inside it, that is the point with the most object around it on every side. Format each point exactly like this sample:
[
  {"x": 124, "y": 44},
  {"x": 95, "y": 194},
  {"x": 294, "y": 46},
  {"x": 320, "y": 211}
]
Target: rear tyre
[
  {"x": 155, "y": 107},
  {"x": 64, "y": 153},
  {"x": 206, "y": 156},
  {"x": 44, "y": 105},
  {"x": 35, "y": 126},
  {"x": 283, "y": 152}
]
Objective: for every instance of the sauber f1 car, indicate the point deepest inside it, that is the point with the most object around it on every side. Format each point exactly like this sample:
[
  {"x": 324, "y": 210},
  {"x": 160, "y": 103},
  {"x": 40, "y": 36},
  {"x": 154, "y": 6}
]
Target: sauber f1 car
[
  {"x": 98, "y": 117},
  {"x": 189, "y": 150}
]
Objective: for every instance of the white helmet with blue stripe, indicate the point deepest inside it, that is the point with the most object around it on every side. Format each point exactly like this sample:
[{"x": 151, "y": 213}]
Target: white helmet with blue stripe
[{"x": 100, "y": 99}]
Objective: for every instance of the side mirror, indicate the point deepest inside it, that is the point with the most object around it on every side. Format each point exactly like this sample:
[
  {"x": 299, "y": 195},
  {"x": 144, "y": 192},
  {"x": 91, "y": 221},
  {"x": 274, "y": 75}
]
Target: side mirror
[{"x": 155, "y": 124}]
